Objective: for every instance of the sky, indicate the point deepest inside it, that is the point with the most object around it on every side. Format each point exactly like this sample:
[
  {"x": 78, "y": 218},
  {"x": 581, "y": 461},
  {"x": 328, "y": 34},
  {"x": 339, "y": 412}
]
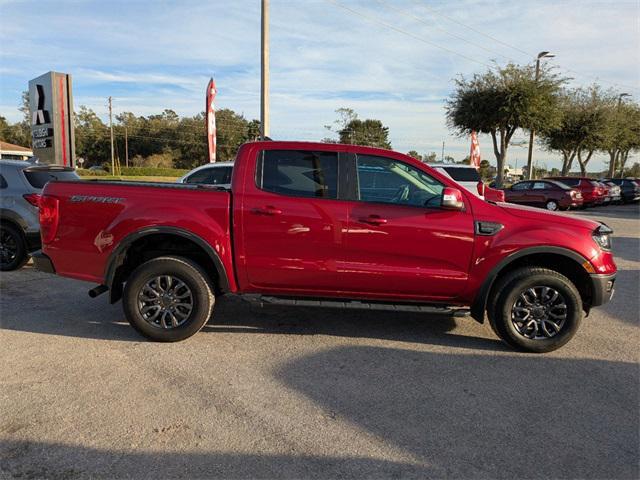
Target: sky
[{"x": 393, "y": 60}]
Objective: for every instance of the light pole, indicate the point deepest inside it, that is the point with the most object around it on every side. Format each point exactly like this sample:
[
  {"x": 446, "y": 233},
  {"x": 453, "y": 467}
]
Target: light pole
[
  {"x": 532, "y": 134},
  {"x": 264, "y": 88}
]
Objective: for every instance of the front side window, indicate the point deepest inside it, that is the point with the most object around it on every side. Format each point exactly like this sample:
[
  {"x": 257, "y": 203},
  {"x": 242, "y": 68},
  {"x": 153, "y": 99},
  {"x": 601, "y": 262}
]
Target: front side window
[
  {"x": 385, "y": 180},
  {"x": 298, "y": 173},
  {"x": 520, "y": 186}
]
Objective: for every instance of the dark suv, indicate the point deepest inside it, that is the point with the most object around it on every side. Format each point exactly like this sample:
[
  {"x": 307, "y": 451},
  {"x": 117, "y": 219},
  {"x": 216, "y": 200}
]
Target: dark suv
[
  {"x": 21, "y": 184},
  {"x": 629, "y": 189},
  {"x": 548, "y": 194}
]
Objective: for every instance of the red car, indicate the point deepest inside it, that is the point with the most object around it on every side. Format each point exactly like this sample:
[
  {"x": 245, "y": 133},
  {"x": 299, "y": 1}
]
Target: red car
[
  {"x": 592, "y": 193},
  {"x": 548, "y": 194},
  {"x": 327, "y": 225}
]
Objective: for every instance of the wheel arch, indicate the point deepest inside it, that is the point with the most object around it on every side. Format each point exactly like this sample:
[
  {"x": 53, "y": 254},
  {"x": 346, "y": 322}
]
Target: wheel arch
[
  {"x": 164, "y": 240},
  {"x": 562, "y": 260}
]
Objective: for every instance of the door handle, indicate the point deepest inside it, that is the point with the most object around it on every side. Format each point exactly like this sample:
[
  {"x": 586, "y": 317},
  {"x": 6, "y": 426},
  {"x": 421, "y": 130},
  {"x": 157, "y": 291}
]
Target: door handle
[
  {"x": 374, "y": 220},
  {"x": 268, "y": 210}
]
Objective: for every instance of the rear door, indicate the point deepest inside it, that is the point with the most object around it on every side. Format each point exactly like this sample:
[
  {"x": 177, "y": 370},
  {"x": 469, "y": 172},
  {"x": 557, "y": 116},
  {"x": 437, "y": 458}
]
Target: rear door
[
  {"x": 538, "y": 194},
  {"x": 400, "y": 243},
  {"x": 292, "y": 222}
]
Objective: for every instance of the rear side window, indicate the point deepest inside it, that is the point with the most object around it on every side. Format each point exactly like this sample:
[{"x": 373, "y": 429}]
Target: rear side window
[
  {"x": 298, "y": 173},
  {"x": 38, "y": 178},
  {"x": 540, "y": 186},
  {"x": 573, "y": 182},
  {"x": 3, "y": 182},
  {"x": 211, "y": 176},
  {"x": 463, "y": 174}
]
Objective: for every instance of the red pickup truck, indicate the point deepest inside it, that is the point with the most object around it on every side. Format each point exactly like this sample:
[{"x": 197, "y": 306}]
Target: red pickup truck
[{"x": 327, "y": 225}]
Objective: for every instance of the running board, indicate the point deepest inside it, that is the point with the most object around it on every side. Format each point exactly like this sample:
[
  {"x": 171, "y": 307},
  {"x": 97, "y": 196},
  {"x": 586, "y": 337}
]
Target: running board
[{"x": 360, "y": 305}]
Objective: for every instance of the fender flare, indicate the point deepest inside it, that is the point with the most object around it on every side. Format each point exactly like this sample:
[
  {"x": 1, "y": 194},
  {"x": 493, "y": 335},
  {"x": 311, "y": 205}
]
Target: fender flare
[
  {"x": 480, "y": 302},
  {"x": 117, "y": 256},
  {"x": 8, "y": 215}
]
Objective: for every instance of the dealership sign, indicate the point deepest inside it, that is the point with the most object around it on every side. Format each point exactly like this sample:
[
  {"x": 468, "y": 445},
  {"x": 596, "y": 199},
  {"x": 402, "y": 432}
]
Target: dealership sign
[{"x": 52, "y": 129}]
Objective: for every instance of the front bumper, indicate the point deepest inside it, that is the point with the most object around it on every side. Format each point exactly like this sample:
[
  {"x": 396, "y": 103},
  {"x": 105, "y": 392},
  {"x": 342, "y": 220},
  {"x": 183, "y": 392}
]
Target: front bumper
[
  {"x": 602, "y": 287},
  {"x": 42, "y": 262}
]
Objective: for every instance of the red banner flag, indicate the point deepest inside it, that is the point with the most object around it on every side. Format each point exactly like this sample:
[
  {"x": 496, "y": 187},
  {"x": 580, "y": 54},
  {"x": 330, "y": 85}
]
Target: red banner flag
[
  {"x": 474, "y": 156},
  {"x": 211, "y": 119}
]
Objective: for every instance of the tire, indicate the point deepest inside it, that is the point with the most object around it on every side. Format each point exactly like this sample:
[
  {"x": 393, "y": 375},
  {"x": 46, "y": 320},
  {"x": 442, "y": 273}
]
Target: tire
[
  {"x": 13, "y": 248},
  {"x": 506, "y": 305},
  {"x": 168, "y": 299},
  {"x": 552, "y": 205}
]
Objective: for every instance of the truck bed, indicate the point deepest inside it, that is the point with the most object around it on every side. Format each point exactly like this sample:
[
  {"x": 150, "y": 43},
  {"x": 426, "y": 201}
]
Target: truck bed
[{"x": 96, "y": 216}]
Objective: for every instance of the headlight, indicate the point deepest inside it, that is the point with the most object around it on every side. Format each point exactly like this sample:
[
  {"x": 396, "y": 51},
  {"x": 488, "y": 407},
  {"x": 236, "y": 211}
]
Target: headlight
[{"x": 602, "y": 236}]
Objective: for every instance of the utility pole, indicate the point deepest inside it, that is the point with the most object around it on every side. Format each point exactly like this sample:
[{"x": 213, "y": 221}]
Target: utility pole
[
  {"x": 111, "y": 129},
  {"x": 126, "y": 147},
  {"x": 442, "y": 156},
  {"x": 264, "y": 64},
  {"x": 532, "y": 134}
]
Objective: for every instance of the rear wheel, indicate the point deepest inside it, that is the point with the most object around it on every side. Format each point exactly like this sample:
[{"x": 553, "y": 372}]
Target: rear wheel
[
  {"x": 535, "y": 309},
  {"x": 168, "y": 299},
  {"x": 13, "y": 249},
  {"x": 552, "y": 205}
]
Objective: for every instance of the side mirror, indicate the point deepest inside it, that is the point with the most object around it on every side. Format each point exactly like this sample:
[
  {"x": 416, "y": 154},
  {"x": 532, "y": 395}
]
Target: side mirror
[{"x": 451, "y": 199}]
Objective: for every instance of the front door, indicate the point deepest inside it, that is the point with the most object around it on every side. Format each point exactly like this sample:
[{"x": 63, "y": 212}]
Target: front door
[
  {"x": 293, "y": 222},
  {"x": 400, "y": 243}
]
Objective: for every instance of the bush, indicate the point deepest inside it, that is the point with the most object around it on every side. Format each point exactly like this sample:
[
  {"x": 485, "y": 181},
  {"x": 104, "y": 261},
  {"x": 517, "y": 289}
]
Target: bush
[
  {"x": 83, "y": 172},
  {"x": 152, "y": 171}
]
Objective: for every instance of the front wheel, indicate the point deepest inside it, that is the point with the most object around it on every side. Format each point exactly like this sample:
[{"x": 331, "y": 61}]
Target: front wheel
[
  {"x": 536, "y": 309},
  {"x": 168, "y": 299}
]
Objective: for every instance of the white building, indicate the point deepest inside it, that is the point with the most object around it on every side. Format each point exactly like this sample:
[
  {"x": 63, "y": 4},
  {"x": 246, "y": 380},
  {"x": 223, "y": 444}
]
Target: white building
[{"x": 9, "y": 151}]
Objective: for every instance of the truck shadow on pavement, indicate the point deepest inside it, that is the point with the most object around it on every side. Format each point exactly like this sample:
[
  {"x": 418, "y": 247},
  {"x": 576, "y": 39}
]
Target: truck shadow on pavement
[
  {"x": 445, "y": 415},
  {"x": 489, "y": 416},
  {"x": 80, "y": 317},
  {"x": 236, "y": 315}
]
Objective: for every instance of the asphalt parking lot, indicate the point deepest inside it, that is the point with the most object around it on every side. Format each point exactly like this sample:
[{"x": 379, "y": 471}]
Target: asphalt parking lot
[{"x": 277, "y": 392}]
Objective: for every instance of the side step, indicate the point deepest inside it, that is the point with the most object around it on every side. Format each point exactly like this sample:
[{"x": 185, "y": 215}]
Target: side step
[{"x": 360, "y": 305}]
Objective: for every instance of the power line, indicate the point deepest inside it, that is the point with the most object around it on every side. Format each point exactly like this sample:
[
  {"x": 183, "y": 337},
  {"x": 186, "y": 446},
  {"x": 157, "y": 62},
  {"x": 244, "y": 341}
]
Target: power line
[
  {"x": 435, "y": 12},
  {"x": 418, "y": 19},
  {"x": 404, "y": 32},
  {"x": 529, "y": 54}
]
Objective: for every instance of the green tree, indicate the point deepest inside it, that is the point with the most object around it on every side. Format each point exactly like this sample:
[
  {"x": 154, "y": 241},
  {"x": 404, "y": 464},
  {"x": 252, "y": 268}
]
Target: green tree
[
  {"x": 502, "y": 100},
  {"x": 368, "y": 132},
  {"x": 414, "y": 154},
  {"x": 485, "y": 170},
  {"x": 582, "y": 127},
  {"x": 92, "y": 138},
  {"x": 430, "y": 158},
  {"x": 622, "y": 135},
  {"x": 633, "y": 171}
]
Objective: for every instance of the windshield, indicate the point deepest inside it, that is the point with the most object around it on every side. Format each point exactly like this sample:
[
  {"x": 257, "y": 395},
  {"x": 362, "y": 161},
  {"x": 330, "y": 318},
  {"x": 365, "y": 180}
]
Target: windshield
[{"x": 463, "y": 174}]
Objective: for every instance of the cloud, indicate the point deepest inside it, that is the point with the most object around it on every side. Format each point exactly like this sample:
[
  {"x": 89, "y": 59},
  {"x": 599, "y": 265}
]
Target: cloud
[{"x": 151, "y": 55}]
